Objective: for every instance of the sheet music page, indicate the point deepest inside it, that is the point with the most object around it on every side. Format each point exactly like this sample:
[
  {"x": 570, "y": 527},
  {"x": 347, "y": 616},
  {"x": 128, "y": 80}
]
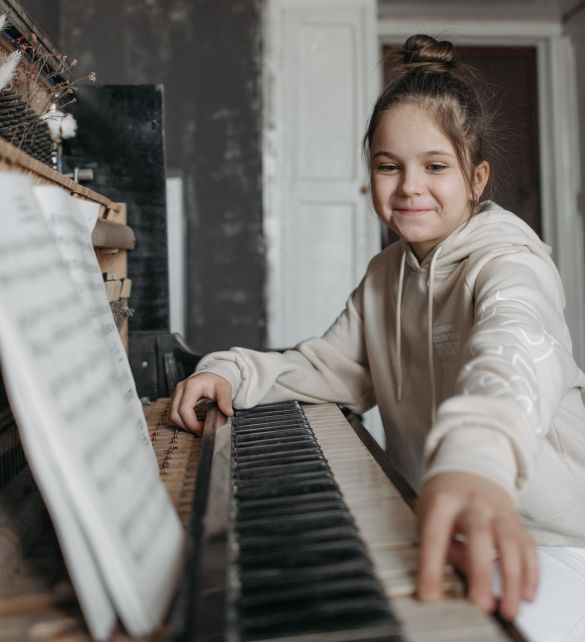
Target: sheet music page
[
  {"x": 86, "y": 431},
  {"x": 84, "y": 573},
  {"x": 89, "y": 209},
  {"x": 67, "y": 221}
]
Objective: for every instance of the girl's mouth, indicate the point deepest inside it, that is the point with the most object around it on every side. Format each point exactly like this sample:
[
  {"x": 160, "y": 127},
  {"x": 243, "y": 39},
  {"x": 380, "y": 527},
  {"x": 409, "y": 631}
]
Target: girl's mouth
[{"x": 410, "y": 211}]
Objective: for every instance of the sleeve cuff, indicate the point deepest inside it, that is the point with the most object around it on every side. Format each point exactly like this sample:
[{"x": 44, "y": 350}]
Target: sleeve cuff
[
  {"x": 480, "y": 451},
  {"x": 224, "y": 369}
]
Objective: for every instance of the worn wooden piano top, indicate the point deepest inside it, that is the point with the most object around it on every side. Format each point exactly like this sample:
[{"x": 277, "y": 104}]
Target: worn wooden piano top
[{"x": 39, "y": 605}]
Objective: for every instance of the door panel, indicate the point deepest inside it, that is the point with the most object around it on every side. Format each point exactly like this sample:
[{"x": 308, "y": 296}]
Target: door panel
[{"x": 325, "y": 84}]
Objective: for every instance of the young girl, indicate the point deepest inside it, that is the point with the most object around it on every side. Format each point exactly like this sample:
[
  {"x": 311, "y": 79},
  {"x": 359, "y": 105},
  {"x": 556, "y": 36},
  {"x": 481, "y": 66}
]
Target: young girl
[{"x": 457, "y": 333}]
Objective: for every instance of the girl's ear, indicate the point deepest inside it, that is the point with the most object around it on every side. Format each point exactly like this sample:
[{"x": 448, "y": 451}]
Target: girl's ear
[{"x": 481, "y": 175}]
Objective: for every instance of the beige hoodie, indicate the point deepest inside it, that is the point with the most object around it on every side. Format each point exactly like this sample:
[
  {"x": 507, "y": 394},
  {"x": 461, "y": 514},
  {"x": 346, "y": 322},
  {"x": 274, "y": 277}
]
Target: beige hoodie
[{"x": 468, "y": 357}]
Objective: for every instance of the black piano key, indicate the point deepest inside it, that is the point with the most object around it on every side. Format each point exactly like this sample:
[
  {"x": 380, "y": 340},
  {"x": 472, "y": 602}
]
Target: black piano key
[
  {"x": 301, "y": 487},
  {"x": 317, "y": 616},
  {"x": 299, "y": 538},
  {"x": 291, "y": 508},
  {"x": 281, "y": 480},
  {"x": 292, "y": 523},
  {"x": 268, "y": 502},
  {"x": 293, "y": 596},
  {"x": 274, "y": 419},
  {"x": 264, "y": 578},
  {"x": 288, "y": 456},
  {"x": 256, "y": 435},
  {"x": 277, "y": 440},
  {"x": 288, "y": 446},
  {"x": 284, "y": 407},
  {"x": 272, "y": 471},
  {"x": 271, "y": 423},
  {"x": 310, "y": 555}
]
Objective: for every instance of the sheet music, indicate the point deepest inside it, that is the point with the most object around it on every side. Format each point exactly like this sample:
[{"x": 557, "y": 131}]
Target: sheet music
[
  {"x": 68, "y": 223},
  {"x": 89, "y": 447},
  {"x": 90, "y": 589},
  {"x": 89, "y": 210}
]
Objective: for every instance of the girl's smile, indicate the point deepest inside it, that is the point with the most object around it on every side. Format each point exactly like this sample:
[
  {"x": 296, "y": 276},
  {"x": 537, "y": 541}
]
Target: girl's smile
[{"x": 418, "y": 187}]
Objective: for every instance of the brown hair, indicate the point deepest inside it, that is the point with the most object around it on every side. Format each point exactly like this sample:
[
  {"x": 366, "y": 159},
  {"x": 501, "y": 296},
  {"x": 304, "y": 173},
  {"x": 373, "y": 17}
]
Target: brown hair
[{"x": 425, "y": 71}]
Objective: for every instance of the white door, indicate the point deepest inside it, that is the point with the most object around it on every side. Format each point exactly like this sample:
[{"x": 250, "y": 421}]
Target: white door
[{"x": 321, "y": 80}]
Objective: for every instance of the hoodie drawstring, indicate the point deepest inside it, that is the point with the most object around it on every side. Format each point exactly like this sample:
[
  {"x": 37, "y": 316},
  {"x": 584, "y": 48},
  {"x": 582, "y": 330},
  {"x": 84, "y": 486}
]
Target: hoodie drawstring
[
  {"x": 430, "y": 335},
  {"x": 398, "y": 340},
  {"x": 398, "y": 325}
]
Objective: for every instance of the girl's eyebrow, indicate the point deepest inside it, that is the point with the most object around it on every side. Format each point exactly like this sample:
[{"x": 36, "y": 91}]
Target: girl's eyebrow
[{"x": 432, "y": 152}]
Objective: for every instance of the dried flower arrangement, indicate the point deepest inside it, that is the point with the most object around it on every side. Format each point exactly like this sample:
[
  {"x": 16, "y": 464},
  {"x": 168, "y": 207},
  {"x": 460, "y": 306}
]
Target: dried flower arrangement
[{"x": 35, "y": 87}]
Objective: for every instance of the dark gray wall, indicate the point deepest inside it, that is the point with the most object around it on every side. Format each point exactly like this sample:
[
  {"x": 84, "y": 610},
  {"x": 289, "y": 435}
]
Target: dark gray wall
[
  {"x": 207, "y": 54},
  {"x": 575, "y": 28},
  {"x": 46, "y": 15}
]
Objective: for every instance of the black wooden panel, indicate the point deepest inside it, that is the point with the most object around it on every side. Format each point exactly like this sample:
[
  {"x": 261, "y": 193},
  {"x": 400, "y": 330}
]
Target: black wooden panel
[
  {"x": 120, "y": 136},
  {"x": 511, "y": 74}
]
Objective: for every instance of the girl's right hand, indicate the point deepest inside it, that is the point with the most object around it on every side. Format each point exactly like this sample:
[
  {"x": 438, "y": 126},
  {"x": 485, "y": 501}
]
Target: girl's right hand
[
  {"x": 191, "y": 391},
  {"x": 485, "y": 518}
]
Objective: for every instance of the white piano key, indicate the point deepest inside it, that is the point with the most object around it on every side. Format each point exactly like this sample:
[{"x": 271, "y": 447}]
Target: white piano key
[{"x": 448, "y": 620}]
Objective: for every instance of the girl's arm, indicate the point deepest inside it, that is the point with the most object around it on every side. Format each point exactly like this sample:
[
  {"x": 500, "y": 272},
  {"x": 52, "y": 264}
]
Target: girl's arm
[
  {"x": 483, "y": 446},
  {"x": 331, "y": 368},
  {"x": 517, "y": 368}
]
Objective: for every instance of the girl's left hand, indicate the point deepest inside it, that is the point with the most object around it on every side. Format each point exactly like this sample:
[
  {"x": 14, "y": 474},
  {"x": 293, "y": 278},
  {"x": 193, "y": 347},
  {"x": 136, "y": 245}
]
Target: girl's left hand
[{"x": 484, "y": 517}]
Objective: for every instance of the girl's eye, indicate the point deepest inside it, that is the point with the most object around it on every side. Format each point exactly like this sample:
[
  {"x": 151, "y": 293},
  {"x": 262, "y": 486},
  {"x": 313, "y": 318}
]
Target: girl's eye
[
  {"x": 436, "y": 167},
  {"x": 387, "y": 167}
]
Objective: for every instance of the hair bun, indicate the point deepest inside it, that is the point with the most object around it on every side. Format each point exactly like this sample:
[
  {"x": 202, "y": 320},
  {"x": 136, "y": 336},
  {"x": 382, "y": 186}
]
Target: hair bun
[{"x": 424, "y": 49}]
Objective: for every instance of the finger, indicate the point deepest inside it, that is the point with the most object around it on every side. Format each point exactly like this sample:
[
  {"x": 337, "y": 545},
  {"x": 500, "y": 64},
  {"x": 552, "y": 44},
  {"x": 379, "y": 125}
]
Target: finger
[
  {"x": 186, "y": 409},
  {"x": 224, "y": 398},
  {"x": 189, "y": 419},
  {"x": 435, "y": 535},
  {"x": 174, "y": 416},
  {"x": 511, "y": 567},
  {"x": 481, "y": 555},
  {"x": 531, "y": 572},
  {"x": 458, "y": 556}
]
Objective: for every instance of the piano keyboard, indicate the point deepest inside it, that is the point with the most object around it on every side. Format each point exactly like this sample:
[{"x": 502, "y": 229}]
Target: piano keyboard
[
  {"x": 375, "y": 525},
  {"x": 296, "y": 552}
]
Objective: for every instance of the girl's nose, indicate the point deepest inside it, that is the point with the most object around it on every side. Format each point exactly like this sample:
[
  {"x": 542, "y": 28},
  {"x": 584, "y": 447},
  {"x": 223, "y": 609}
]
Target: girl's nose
[{"x": 411, "y": 183}]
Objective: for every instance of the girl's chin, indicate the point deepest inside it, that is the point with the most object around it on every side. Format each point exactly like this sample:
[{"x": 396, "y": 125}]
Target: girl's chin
[{"x": 410, "y": 233}]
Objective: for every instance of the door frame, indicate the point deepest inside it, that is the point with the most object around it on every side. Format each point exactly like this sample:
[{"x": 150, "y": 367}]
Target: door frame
[{"x": 560, "y": 174}]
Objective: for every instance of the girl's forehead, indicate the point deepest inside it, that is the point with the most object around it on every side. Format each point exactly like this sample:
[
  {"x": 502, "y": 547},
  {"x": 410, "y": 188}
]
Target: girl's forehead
[{"x": 409, "y": 126}]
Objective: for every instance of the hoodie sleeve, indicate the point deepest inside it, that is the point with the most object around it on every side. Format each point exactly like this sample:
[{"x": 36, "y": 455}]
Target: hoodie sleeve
[
  {"x": 331, "y": 368},
  {"x": 517, "y": 368}
]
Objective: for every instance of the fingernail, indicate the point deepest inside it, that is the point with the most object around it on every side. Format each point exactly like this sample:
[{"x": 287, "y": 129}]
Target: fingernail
[
  {"x": 429, "y": 594},
  {"x": 483, "y": 600}
]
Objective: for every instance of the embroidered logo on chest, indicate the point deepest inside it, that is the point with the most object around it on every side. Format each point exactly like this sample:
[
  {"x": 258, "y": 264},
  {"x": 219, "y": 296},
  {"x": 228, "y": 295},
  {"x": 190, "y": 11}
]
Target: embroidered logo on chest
[{"x": 445, "y": 340}]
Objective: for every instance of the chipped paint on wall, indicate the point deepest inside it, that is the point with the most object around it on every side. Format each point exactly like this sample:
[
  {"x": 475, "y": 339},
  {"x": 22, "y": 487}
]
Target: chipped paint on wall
[{"x": 207, "y": 55}]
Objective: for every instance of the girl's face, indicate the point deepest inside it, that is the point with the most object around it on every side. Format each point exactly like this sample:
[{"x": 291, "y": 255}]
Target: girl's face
[{"x": 418, "y": 187}]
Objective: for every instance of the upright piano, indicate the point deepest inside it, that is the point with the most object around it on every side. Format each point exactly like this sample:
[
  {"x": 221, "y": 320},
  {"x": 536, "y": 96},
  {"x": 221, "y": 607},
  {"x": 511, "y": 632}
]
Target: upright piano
[{"x": 299, "y": 527}]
